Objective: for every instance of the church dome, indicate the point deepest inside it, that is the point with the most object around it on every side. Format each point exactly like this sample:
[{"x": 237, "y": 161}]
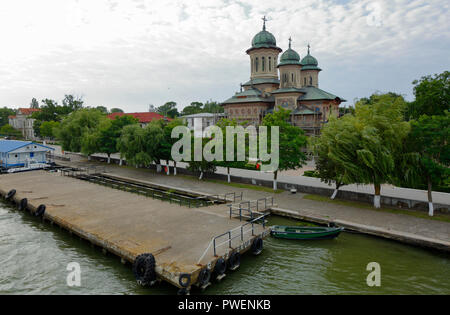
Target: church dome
[
  {"x": 289, "y": 57},
  {"x": 309, "y": 62},
  {"x": 264, "y": 39}
]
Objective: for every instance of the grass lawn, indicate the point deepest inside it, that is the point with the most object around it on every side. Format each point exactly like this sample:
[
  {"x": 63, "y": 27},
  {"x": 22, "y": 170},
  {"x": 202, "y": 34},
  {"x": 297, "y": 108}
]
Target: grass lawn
[{"x": 361, "y": 205}]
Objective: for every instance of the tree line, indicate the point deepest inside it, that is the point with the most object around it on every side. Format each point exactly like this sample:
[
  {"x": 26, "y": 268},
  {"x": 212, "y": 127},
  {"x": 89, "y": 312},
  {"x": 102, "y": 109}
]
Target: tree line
[{"x": 388, "y": 140}]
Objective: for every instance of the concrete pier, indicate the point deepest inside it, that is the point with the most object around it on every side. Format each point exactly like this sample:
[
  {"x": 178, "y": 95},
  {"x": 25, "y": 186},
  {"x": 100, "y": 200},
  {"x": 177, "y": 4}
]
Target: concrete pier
[{"x": 127, "y": 225}]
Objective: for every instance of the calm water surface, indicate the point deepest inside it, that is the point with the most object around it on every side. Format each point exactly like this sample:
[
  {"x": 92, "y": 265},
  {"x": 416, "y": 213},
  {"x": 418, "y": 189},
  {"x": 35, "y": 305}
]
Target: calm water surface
[{"x": 34, "y": 257}]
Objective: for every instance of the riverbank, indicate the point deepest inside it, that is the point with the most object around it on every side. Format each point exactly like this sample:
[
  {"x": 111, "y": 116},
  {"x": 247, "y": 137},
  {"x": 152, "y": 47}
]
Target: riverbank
[{"x": 418, "y": 231}]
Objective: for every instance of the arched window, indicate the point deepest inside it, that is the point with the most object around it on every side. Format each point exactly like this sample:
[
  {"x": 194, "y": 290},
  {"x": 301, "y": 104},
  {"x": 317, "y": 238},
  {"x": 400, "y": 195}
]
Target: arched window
[
  {"x": 270, "y": 63},
  {"x": 305, "y": 82},
  {"x": 310, "y": 80},
  {"x": 292, "y": 78},
  {"x": 263, "y": 63},
  {"x": 256, "y": 64}
]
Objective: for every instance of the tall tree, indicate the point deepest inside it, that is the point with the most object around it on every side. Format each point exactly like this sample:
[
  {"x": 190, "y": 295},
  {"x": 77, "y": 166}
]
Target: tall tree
[
  {"x": 47, "y": 129},
  {"x": 169, "y": 109},
  {"x": 382, "y": 131},
  {"x": 426, "y": 154},
  {"x": 109, "y": 132},
  {"x": 76, "y": 125},
  {"x": 34, "y": 103},
  {"x": 336, "y": 151},
  {"x": 432, "y": 96},
  {"x": 193, "y": 108},
  {"x": 4, "y": 115},
  {"x": 116, "y": 110},
  {"x": 291, "y": 140}
]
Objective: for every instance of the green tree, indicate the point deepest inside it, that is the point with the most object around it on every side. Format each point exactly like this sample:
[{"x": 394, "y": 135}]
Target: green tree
[
  {"x": 109, "y": 132},
  {"x": 381, "y": 131},
  {"x": 291, "y": 142},
  {"x": 47, "y": 128},
  {"x": 116, "y": 110},
  {"x": 432, "y": 96},
  {"x": 8, "y": 130},
  {"x": 76, "y": 125},
  {"x": 71, "y": 103},
  {"x": 167, "y": 142},
  {"x": 169, "y": 110},
  {"x": 4, "y": 115},
  {"x": 102, "y": 109},
  {"x": 426, "y": 154},
  {"x": 193, "y": 108},
  {"x": 140, "y": 146},
  {"x": 336, "y": 151},
  {"x": 34, "y": 103},
  {"x": 213, "y": 107}
]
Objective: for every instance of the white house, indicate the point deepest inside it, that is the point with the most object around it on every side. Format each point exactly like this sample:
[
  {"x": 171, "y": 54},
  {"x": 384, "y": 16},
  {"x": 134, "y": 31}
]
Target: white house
[
  {"x": 207, "y": 119},
  {"x": 15, "y": 153},
  {"x": 23, "y": 122}
]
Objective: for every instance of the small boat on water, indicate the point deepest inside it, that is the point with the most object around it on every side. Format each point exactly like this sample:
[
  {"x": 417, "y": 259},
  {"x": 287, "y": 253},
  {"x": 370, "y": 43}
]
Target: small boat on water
[{"x": 305, "y": 232}]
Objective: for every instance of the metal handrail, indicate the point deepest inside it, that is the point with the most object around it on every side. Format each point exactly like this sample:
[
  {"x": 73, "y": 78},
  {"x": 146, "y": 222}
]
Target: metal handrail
[{"x": 231, "y": 238}]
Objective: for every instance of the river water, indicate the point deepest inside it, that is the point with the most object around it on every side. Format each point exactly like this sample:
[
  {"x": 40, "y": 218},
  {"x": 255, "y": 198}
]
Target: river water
[{"x": 34, "y": 257}]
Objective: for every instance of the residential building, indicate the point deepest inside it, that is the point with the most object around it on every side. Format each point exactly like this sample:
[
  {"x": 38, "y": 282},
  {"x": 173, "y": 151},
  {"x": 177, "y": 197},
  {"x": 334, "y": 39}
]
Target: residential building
[
  {"x": 143, "y": 118},
  {"x": 14, "y": 153},
  {"x": 22, "y": 121}
]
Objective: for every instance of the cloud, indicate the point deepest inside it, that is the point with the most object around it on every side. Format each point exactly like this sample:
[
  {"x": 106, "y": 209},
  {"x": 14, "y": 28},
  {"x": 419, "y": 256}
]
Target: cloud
[{"x": 131, "y": 53}]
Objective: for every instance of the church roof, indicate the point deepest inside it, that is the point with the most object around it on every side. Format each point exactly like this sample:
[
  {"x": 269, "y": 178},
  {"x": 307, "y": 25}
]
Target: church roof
[
  {"x": 262, "y": 81},
  {"x": 315, "y": 94},
  {"x": 250, "y": 96},
  {"x": 287, "y": 90}
]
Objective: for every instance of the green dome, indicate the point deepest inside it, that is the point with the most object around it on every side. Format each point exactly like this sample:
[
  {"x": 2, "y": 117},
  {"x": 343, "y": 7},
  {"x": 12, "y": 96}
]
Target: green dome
[
  {"x": 309, "y": 61},
  {"x": 289, "y": 57},
  {"x": 264, "y": 39}
]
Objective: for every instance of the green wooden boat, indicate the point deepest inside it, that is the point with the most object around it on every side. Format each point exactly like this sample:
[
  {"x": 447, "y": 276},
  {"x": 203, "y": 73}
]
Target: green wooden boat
[{"x": 305, "y": 233}]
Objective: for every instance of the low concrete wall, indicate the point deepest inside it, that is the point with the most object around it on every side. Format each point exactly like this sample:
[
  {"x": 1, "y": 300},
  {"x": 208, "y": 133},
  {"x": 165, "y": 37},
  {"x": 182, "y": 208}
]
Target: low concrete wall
[{"x": 342, "y": 194}]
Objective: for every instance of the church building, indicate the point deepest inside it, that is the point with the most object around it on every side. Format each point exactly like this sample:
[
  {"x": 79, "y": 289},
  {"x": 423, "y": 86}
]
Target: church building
[{"x": 292, "y": 83}]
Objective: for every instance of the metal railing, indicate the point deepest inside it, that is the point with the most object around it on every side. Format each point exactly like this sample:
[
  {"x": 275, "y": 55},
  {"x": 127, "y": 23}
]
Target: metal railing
[
  {"x": 233, "y": 196},
  {"x": 242, "y": 232},
  {"x": 248, "y": 209}
]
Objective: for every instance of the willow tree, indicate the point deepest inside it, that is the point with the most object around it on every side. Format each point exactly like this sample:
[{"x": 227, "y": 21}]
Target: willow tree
[
  {"x": 165, "y": 149},
  {"x": 382, "y": 131},
  {"x": 74, "y": 127},
  {"x": 336, "y": 152},
  {"x": 131, "y": 145}
]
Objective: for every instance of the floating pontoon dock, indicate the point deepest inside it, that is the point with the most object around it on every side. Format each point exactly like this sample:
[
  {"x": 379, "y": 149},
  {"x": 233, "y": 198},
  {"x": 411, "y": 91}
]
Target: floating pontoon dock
[{"x": 183, "y": 240}]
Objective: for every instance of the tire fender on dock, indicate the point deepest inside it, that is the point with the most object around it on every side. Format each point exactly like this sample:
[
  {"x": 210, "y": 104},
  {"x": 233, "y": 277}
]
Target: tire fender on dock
[
  {"x": 203, "y": 277},
  {"x": 10, "y": 194},
  {"x": 220, "y": 267},
  {"x": 184, "y": 280},
  {"x": 234, "y": 261},
  {"x": 144, "y": 269},
  {"x": 40, "y": 211},
  {"x": 23, "y": 204},
  {"x": 257, "y": 246}
]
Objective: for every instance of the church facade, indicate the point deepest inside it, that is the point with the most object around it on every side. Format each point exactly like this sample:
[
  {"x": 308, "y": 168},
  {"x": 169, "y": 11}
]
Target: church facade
[{"x": 291, "y": 83}]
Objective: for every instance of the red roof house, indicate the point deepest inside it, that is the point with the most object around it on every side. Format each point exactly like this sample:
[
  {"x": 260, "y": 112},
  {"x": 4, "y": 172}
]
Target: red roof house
[{"x": 144, "y": 118}]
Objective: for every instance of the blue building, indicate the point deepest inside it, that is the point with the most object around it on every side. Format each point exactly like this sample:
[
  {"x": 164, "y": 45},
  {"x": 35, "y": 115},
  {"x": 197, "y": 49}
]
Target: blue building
[{"x": 15, "y": 153}]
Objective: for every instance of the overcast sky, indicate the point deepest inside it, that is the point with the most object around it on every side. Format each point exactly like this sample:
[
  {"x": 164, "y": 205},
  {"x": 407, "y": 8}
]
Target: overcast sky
[{"x": 131, "y": 53}]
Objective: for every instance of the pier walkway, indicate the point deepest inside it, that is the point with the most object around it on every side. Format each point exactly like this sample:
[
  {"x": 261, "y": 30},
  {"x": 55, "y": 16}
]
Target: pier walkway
[
  {"x": 398, "y": 226},
  {"x": 128, "y": 225}
]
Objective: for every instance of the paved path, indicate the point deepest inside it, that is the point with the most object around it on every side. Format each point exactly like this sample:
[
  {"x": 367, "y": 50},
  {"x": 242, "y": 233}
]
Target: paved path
[{"x": 401, "y": 223}]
